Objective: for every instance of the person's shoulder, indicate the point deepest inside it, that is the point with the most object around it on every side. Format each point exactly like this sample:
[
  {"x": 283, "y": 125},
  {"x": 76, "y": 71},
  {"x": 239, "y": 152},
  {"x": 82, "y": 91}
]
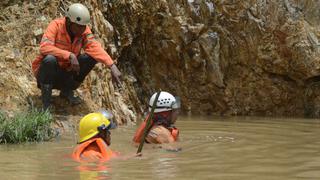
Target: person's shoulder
[
  {"x": 160, "y": 129},
  {"x": 159, "y": 134},
  {"x": 60, "y": 20}
]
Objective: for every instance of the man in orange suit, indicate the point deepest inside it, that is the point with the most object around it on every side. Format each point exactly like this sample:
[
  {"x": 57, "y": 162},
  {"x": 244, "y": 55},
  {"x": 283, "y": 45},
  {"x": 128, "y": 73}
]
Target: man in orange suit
[{"x": 60, "y": 64}]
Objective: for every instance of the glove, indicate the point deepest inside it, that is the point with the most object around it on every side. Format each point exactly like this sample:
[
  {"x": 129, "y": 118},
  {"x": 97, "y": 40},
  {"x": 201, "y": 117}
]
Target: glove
[
  {"x": 74, "y": 63},
  {"x": 116, "y": 75}
]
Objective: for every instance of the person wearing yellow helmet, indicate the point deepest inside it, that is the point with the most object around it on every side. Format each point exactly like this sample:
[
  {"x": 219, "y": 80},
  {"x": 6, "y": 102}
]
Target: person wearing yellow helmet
[{"x": 94, "y": 139}]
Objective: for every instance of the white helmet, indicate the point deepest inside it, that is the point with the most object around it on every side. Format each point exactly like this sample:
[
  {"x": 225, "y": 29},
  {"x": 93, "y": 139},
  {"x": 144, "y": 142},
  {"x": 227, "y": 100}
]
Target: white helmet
[
  {"x": 78, "y": 13},
  {"x": 166, "y": 102}
]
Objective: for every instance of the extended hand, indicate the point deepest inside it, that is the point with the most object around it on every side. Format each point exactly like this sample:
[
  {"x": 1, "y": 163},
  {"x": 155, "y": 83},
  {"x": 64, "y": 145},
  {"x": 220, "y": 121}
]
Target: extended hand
[
  {"x": 116, "y": 75},
  {"x": 74, "y": 63}
]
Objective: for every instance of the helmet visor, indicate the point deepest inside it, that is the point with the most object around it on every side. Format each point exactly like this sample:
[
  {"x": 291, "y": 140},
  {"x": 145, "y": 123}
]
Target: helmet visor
[
  {"x": 108, "y": 114},
  {"x": 177, "y": 103}
]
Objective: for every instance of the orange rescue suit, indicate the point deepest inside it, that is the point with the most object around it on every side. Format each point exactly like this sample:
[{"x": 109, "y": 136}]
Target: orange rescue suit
[
  {"x": 56, "y": 41},
  {"x": 92, "y": 150},
  {"x": 139, "y": 133}
]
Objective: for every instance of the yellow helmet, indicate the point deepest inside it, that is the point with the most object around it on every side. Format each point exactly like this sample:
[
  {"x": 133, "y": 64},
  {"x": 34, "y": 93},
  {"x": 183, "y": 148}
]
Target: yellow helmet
[{"x": 89, "y": 124}]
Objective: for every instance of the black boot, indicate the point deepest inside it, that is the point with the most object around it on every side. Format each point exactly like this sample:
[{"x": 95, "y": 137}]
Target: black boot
[
  {"x": 69, "y": 95},
  {"x": 46, "y": 92}
]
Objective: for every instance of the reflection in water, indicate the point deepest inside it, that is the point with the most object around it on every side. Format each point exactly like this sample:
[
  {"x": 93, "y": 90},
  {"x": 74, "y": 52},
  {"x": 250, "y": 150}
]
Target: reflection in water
[
  {"x": 90, "y": 171},
  {"x": 164, "y": 167},
  {"x": 212, "y": 148}
]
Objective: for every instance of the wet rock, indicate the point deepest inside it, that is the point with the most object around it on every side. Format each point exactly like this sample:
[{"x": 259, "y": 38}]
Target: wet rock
[{"x": 245, "y": 41}]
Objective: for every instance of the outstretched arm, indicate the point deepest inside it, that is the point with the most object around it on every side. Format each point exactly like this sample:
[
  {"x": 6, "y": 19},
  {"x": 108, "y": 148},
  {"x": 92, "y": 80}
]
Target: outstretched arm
[{"x": 94, "y": 49}]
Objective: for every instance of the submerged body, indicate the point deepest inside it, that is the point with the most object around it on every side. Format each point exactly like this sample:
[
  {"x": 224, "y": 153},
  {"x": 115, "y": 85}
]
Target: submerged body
[
  {"x": 162, "y": 129},
  {"x": 94, "y": 139},
  {"x": 158, "y": 134},
  {"x": 93, "y": 150}
]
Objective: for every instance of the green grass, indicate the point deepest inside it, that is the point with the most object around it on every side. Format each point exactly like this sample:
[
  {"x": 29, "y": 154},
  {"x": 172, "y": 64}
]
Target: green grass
[{"x": 28, "y": 126}]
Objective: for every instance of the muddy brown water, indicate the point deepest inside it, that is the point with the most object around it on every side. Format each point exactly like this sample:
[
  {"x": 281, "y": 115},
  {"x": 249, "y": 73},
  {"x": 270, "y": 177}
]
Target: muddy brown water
[{"x": 234, "y": 148}]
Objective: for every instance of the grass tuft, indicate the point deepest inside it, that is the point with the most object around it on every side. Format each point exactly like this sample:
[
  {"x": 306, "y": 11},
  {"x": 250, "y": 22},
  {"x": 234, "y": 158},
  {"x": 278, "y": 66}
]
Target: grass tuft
[{"x": 28, "y": 126}]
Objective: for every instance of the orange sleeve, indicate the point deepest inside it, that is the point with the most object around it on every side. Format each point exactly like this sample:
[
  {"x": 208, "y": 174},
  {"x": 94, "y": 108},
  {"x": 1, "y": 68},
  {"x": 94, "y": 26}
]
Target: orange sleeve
[
  {"x": 94, "y": 49},
  {"x": 47, "y": 45}
]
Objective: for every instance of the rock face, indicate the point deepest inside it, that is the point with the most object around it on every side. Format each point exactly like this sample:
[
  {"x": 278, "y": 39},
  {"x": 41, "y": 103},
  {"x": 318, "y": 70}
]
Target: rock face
[
  {"x": 225, "y": 57},
  {"x": 252, "y": 57}
]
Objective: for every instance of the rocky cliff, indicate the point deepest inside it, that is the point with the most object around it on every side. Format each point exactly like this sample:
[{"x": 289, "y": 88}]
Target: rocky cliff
[{"x": 251, "y": 57}]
